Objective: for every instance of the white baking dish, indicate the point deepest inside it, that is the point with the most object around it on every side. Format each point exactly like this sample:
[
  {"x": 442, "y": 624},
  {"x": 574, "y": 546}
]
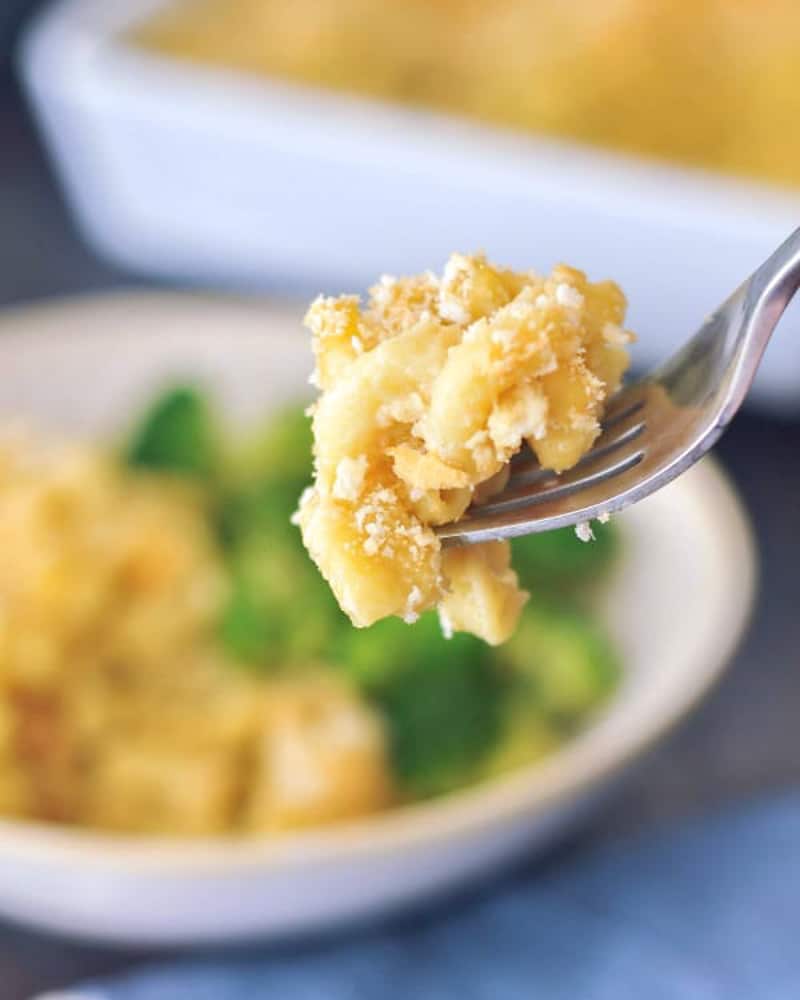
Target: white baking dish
[{"x": 179, "y": 170}]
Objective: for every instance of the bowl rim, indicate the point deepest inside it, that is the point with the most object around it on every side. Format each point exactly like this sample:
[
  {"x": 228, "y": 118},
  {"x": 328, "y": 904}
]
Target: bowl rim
[{"x": 541, "y": 786}]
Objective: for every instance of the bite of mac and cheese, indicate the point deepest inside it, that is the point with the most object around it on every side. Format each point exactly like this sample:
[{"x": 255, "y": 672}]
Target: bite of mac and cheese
[{"x": 426, "y": 393}]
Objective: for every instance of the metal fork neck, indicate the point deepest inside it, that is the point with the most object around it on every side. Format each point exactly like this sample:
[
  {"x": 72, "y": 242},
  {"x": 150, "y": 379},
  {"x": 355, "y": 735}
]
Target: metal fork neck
[{"x": 761, "y": 301}]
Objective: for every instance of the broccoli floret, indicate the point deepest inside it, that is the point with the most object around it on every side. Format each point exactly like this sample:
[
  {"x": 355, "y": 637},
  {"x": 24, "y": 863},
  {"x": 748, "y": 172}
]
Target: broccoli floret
[
  {"x": 267, "y": 476},
  {"x": 560, "y": 667},
  {"x": 176, "y": 434},
  {"x": 246, "y": 631},
  {"x": 441, "y": 699},
  {"x": 567, "y": 661},
  {"x": 527, "y": 734},
  {"x": 280, "y": 609},
  {"x": 261, "y": 508},
  {"x": 279, "y": 452},
  {"x": 559, "y": 563}
]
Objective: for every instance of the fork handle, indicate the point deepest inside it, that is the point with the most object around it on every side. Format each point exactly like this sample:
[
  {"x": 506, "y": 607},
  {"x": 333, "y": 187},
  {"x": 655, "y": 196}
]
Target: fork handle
[
  {"x": 760, "y": 303},
  {"x": 778, "y": 278}
]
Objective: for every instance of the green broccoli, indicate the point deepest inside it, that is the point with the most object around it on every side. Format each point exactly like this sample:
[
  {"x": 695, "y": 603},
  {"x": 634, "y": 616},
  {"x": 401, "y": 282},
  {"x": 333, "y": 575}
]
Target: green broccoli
[
  {"x": 279, "y": 452},
  {"x": 527, "y": 734},
  {"x": 266, "y": 478},
  {"x": 558, "y": 563},
  {"x": 176, "y": 434},
  {"x": 246, "y": 629},
  {"x": 280, "y": 609},
  {"x": 566, "y": 660},
  {"x": 441, "y": 699},
  {"x": 264, "y": 507}
]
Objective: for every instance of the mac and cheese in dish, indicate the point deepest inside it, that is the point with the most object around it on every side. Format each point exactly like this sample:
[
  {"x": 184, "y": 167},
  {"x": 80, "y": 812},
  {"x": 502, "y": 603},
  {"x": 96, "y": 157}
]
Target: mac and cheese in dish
[
  {"x": 426, "y": 394},
  {"x": 171, "y": 662},
  {"x": 710, "y": 83}
]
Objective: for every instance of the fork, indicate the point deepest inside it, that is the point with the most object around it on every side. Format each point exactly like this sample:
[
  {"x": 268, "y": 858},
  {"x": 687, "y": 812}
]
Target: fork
[{"x": 655, "y": 428}]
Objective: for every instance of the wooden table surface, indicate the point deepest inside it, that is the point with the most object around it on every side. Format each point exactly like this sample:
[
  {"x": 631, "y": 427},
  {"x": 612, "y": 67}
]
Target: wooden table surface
[{"x": 742, "y": 742}]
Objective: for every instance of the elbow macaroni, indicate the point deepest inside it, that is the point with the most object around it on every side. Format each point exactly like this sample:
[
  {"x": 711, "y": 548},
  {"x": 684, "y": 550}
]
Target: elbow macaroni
[{"x": 425, "y": 396}]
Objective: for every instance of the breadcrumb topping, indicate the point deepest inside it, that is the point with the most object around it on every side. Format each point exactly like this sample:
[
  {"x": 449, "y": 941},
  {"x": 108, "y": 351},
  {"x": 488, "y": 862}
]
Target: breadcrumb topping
[
  {"x": 427, "y": 391},
  {"x": 350, "y": 474}
]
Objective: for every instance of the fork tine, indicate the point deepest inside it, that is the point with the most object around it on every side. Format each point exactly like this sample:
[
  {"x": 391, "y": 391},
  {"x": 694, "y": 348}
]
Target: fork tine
[
  {"x": 618, "y": 450},
  {"x": 620, "y": 409},
  {"x": 606, "y": 447},
  {"x": 528, "y": 494},
  {"x": 531, "y": 472}
]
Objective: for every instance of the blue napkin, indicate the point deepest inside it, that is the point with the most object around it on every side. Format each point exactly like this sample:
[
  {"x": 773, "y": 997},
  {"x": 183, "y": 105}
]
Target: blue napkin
[{"x": 707, "y": 911}]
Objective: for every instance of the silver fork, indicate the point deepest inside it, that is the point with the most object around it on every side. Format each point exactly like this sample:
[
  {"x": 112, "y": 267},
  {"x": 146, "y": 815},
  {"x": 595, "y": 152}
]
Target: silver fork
[{"x": 654, "y": 429}]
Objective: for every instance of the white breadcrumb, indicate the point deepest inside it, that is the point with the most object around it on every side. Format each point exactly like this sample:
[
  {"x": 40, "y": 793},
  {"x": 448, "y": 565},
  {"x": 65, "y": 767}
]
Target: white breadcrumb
[
  {"x": 415, "y": 599},
  {"x": 349, "y": 480},
  {"x": 445, "y": 623},
  {"x": 305, "y": 497},
  {"x": 568, "y": 296},
  {"x": 614, "y": 335}
]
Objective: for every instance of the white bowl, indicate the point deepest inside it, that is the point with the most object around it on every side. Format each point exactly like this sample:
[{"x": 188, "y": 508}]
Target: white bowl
[
  {"x": 676, "y": 605},
  {"x": 176, "y": 169}
]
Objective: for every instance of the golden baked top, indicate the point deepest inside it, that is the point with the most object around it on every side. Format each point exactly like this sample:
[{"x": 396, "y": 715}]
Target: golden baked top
[{"x": 705, "y": 82}]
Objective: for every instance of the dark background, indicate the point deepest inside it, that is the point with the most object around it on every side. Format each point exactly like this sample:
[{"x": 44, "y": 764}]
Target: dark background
[{"x": 742, "y": 742}]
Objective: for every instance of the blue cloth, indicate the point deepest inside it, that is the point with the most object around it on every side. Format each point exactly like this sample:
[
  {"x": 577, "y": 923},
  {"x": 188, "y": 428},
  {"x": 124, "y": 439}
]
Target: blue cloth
[{"x": 707, "y": 911}]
